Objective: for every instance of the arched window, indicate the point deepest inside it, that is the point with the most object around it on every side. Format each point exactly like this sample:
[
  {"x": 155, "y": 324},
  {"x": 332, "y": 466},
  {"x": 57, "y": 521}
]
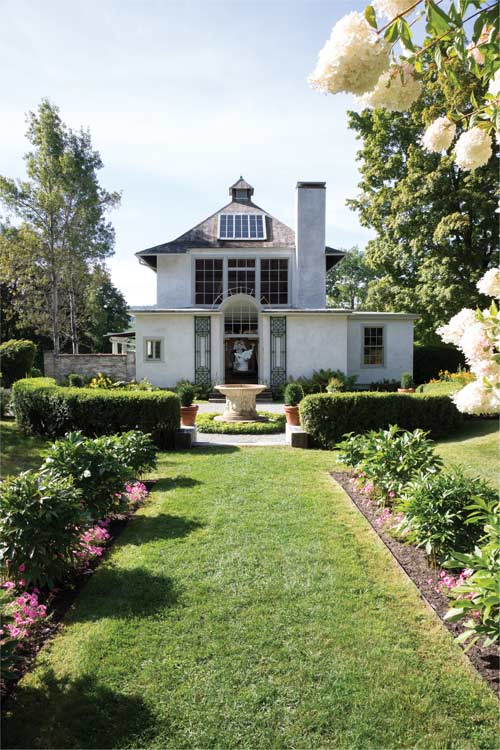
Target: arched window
[{"x": 241, "y": 316}]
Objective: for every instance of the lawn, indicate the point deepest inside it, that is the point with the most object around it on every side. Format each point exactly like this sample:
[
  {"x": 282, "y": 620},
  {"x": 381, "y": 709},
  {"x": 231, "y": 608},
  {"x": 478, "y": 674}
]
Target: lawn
[
  {"x": 17, "y": 451},
  {"x": 476, "y": 447},
  {"x": 249, "y": 604}
]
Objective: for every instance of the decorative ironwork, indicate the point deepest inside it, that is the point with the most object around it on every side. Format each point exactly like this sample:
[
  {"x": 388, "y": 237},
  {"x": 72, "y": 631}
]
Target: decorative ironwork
[
  {"x": 202, "y": 359},
  {"x": 278, "y": 352}
]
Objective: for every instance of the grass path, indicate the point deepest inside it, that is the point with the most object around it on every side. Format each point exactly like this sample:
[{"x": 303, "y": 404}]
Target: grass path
[{"x": 250, "y": 605}]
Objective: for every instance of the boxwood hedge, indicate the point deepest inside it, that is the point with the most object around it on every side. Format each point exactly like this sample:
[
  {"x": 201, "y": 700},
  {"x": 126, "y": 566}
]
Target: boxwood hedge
[
  {"x": 43, "y": 407},
  {"x": 327, "y": 417}
]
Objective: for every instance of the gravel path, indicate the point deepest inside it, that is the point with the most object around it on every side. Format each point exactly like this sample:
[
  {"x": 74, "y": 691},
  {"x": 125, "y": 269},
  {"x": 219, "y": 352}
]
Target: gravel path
[{"x": 209, "y": 438}]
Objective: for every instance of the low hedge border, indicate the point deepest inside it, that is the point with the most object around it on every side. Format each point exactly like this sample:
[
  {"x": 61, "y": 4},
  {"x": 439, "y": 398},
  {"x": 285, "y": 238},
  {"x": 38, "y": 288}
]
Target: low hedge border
[
  {"x": 42, "y": 407},
  {"x": 327, "y": 417},
  {"x": 205, "y": 423}
]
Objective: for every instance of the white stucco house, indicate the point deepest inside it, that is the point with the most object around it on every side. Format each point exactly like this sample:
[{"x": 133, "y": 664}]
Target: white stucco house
[{"x": 241, "y": 298}]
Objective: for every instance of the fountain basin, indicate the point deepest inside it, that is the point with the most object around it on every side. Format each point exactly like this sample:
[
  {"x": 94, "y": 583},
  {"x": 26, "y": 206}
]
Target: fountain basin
[{"x": 240, "y": 403}]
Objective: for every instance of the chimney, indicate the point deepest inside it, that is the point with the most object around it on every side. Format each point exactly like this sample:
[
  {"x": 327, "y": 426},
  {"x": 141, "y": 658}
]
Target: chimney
[{"x": 310, "y": 265}]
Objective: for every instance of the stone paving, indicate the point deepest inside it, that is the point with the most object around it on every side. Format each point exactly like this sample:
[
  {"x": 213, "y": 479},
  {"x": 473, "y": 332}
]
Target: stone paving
[{"x": 206, "y": 438}]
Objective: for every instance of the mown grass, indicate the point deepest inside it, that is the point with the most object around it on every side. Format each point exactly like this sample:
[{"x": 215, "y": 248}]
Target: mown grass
[
  {"x": 18, "y": 452},
  {"x": 443, "y": 388},
  {"x": 476, "y": 447},
  {"x": 249, "y": 604}
]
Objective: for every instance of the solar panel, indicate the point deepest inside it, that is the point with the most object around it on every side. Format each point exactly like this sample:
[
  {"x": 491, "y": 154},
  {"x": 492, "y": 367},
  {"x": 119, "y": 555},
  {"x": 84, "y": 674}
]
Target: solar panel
[{"x": 242, "y": 227}]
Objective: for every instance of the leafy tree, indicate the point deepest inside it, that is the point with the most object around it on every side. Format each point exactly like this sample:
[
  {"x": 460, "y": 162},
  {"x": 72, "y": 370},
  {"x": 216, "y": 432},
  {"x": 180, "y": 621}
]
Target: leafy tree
[
  {"x": 108, "y": 312},
  {"x": 347, "y": 282},
  {"x": 436, "y": 225},
  {"x": 62, "y": 231}
]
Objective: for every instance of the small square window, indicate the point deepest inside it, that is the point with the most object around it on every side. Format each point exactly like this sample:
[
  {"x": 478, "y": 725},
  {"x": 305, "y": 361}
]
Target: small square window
[{"x": 153, "y": 350}]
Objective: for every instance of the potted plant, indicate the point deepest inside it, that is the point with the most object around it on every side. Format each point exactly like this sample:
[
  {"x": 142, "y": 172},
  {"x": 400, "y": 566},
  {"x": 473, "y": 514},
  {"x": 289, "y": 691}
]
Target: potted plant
[
  {"x": 407, "y": 384},
  {"x": 293, "y": 395},
  {"x": 335, "y": 385},
  {"x": 188, "y": 409}
]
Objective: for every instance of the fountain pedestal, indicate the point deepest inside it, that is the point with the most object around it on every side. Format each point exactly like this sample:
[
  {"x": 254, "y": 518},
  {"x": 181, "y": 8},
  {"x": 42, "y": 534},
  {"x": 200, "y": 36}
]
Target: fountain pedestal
[{"x": 240, "y": 403}]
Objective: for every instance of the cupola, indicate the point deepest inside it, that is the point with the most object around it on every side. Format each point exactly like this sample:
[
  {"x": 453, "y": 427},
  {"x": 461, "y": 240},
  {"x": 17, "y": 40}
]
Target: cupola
[{"x": 241, "y": 191}]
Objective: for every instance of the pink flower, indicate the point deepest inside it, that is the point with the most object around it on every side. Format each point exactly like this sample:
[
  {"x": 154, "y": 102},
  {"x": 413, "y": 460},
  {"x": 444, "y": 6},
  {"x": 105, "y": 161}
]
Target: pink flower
[
  {"x": 14, "y": 631},
  {"x": 22, "y": 582},
  {"x": 9, "y": 585},
  {"x": 22, "y": 568}
]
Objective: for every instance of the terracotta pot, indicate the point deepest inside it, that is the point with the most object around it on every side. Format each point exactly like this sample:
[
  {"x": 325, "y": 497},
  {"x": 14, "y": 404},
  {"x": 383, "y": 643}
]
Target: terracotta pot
[
  {"x": 406, "y": 390},
  {"x": 292, "y": 415},
  {"x": 188, "y": 415}
]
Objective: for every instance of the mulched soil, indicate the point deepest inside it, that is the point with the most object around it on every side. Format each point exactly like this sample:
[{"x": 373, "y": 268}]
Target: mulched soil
[
  {"x": 59, "y": 601},
  {"x": 414, "y": 563}
]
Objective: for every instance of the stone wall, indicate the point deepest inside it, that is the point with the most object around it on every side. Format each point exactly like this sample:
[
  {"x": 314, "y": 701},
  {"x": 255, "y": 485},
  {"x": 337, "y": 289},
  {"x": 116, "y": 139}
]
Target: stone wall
[{"x": 117, "y": 366}]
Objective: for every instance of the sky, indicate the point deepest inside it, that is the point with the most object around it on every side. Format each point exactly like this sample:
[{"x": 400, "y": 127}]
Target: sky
[{"x": 181, "y": 98}]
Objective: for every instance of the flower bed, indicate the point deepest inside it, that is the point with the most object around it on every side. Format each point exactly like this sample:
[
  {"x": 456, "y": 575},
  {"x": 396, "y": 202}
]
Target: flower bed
[
  {"x": 30, "y": 615},
  {"x": 434, "y": 584},
  {"x": 205, "y": 423}
]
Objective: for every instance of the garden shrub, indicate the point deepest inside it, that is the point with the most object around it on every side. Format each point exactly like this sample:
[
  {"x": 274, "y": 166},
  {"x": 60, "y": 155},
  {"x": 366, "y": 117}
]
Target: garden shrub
[
  {"x": 477, "y": 596},
  {"x": 293, "y": 394},
  {"x": 201, "y": 392},
  {"x": 429, "y": 360},
  {"x": 327, "y": 417},
  {"x": 4, "y": 401},
  {"x": 318, "y": 382},
  {"x": 205, "y": 423},
  {"x": 390, "y": 459},
  {"x": 136, "y": 450},
  {"x": 437, "y": 514},
  {"x": 40, "y": 524},
  {"x": 95, "y": 468},
  {"x": 75, "y": 380},
  {"x": 16, "y": 360},
  {"x": 186, "y": 394},
  {"x": 43, "y": 407}
]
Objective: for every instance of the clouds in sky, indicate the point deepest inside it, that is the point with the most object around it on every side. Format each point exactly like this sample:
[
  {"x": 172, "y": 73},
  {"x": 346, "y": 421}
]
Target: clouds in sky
[{"x": 181, "y": 98}]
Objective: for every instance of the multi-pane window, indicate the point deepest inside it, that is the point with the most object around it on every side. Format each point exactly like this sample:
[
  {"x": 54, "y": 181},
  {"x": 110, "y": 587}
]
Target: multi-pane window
[
  {"x": 241, "y": 276},
  {"x": 152, "y": 350},
  {"x": 209, "y": 280},
  {"x": 242, "y": 227},
  {"x": 241, "y": 319},
  {"x": 274, "y": 281},
  {"x": 373, "y": 346}
]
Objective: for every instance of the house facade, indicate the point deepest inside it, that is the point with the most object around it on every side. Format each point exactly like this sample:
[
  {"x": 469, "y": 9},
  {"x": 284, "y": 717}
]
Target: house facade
[{"x": 241, "y": 297}]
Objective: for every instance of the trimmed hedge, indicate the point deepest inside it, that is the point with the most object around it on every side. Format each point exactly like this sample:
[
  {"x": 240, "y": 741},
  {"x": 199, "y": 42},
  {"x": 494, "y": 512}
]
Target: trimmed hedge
[
  {"x": 327, "y": 417},
  {"x": 206, "y": 423},
  {"x": 43, "y": 407},
  {"x": 16, "y": 360},
  {"x": 429, "y": 360}
]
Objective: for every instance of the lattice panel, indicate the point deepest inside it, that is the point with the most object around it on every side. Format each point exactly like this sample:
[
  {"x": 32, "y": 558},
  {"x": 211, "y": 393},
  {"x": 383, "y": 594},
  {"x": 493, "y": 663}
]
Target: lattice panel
[
  {"x": 278, "y": 352},
  {"x": 202, "y": 351}
]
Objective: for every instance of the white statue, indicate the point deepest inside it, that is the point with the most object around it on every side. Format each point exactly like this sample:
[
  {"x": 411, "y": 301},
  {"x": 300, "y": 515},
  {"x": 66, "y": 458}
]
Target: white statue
[{"x": 242, "y": 357}]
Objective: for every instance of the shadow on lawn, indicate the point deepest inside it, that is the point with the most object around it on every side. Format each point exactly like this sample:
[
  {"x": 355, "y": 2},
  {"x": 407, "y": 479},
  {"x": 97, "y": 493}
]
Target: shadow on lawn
[
  {"x": 80, "y": 713},
  {"x": 171, "y": 483},
  {"x": 472, "y": 428},
  {"x": 162, "y": 526},
  {"x": 121, "y": 593}
]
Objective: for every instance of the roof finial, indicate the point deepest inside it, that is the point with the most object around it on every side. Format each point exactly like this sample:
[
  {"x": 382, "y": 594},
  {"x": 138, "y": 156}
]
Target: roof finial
[{"x": 241, "y": 190}]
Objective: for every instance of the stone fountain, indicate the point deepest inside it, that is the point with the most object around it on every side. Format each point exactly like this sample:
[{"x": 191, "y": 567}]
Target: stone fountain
[{"x": 240, "y": 403}]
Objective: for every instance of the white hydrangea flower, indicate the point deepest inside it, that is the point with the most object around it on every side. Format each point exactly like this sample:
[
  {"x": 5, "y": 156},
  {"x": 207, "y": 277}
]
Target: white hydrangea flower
[
  {"x": 353, "y": 58},
  {"x": 475, "y": 343},
  {"x": 452, "y": 332},
  {"x": 473, "y": 149},
  {"x": 494, "y": 87},
  {"x": 489, "y": 284},
  {"x": 486, "y": 368},
  {"x": 475, "y": 398},
  {"x": 439, "y": 135},
  {"x": 391, "y": 8},
  {"x": 396, "y": 90}
]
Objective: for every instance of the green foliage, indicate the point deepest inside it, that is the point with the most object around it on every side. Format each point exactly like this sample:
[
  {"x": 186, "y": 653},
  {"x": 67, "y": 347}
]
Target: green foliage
[
  {"x": 437, "y": 515},
  {"x": 318, "y": 382},
  {"x": 16, "y": 360},
  {"x": 276, "y": 423},
  {"x": 41, "y": 518},
  {"x": 429, "y": 360},
  {"x": 76, "y": 381},
  {"x": 327, "y": 417},
  {"x": 390, "y": 459},
  {"x": 108, "y": 312},
  {"x": 135, "y": 450},
  {"x": 407, "y": 380},
  {"x": 96, "y": 469},
  {"x": 384, "y": 386},
  {"x": 36, "y": 373},
  {"x": 478, "y": 597},
  {"x": 347, "y": 282},
  {"x": 436, "y": 227},
  {"x": 201, "y": 392},
  {"x": 293, "y": 394},
  {"x": 186, "y": 394},
  {"x": 42, "y": 407}
]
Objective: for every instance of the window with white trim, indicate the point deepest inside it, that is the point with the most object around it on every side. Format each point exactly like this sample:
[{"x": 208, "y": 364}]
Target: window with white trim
[
  {"x": 153, "y": 350},
  {"x": 241, "y": 276},
  {"x": 242, "y": 227},
  {"x": 373, "y": 346}
]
